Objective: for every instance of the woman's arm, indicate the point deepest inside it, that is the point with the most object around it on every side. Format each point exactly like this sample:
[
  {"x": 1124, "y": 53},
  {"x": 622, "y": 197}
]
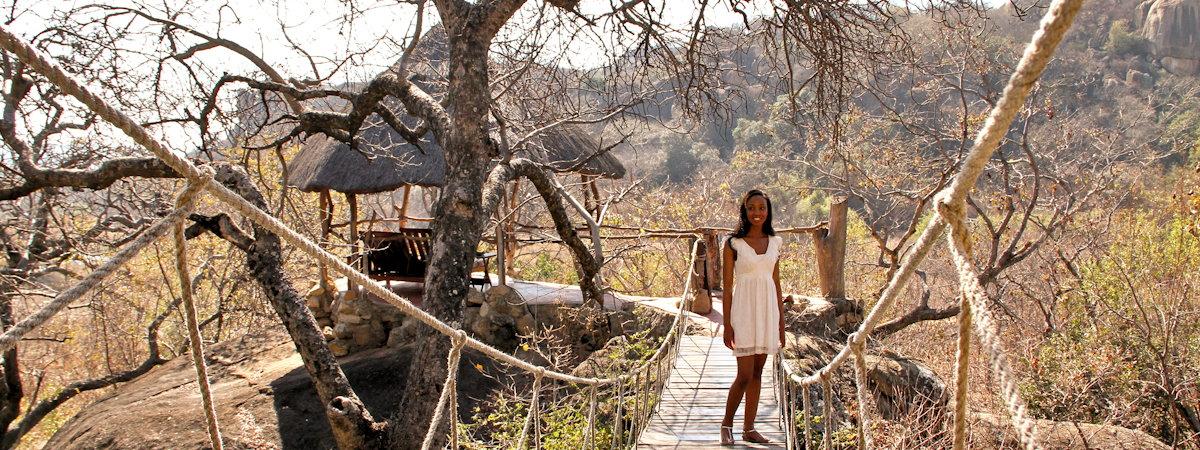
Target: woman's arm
[
  {"x": 779, "y": 295},
  {"x": 727, "y": 289}
]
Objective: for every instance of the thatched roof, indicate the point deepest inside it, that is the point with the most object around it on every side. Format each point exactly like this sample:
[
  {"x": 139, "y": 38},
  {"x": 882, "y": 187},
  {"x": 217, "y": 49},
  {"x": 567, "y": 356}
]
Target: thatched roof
[
  {"x": 567, "y": 146},
  {"x": 386, "y": 161},
  {"x": 383, "y": 162}
]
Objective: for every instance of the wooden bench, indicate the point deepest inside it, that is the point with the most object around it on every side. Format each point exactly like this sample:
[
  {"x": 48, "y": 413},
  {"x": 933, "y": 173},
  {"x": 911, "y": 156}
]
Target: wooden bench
[{"x": 404, "y": 255}]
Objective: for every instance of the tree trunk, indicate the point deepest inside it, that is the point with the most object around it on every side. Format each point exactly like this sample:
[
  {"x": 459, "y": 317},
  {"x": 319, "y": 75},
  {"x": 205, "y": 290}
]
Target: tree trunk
[
  {"x": 455, "y": 233},
  {"x": 830, "y": 246},
  {"x": 587, "y": 264},
  {"x": 10, "y": 388},
  {"x": 352, "y": 425}
]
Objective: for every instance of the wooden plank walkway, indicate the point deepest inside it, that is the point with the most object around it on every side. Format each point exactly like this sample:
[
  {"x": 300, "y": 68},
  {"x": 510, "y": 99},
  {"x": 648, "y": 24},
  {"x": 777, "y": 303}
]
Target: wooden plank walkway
[{"x": 693, "y": 402}]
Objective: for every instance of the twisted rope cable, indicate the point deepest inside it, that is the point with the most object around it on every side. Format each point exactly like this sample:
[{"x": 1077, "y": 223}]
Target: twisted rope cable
[
  {"x": 986, "y": 328},
  {"x": 98, "y": 276},
  {"x": 962, "y": 360},
  {"x": 860, "y": 379},
  {"x": 448, "y": 388},
  {"x": 805, "y": 405},
  {"x": 780, "y": 399},
  {"x": 590, "y": 438},
  {"x": 454, "y": 416},
  {"x": 185, "y": 201},
  {"x": 791, "y": 422},
  {"x": 635, "y": 424},
  {"x": 619, "y": 416},
  {"x": 827, "y": 420}
]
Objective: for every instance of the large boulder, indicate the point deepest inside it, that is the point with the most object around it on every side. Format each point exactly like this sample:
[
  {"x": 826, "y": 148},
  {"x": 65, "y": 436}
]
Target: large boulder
[
  {"x": 990, "y": 431},
  {"x": 263, "y": 395},
  {"x": 1173, "y": 28}
]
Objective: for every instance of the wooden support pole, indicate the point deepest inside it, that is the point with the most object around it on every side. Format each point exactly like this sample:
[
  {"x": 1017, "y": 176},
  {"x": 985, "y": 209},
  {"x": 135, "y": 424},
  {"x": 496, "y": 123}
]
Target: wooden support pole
[
  {"x": 404, "y": 207},
  {"x": 326, "y": 215},
  {"x": 830, "y": 246},
  {"x": 501, "y": 242},
  {"x": 510, "y": 252},
  {"x": 355, "y": 257},
  {"x": 701, "y": 299},
  {"x": 712, "y": 260}
]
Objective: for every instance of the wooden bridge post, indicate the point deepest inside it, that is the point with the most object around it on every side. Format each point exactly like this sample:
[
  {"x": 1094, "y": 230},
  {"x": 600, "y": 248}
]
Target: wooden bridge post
[
  {"x": 702, "y": 279},
  {"x": 830, "y": 246},
  {"x": 712, "y": 260}
]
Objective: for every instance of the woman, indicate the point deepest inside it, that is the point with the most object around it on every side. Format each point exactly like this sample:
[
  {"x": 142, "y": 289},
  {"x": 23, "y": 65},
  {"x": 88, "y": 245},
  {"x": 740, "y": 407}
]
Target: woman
[{"x": 753, "y": 308}]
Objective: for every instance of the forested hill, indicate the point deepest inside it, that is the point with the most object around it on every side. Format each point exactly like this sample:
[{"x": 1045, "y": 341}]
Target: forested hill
[{"x": 1123, "y": 73}]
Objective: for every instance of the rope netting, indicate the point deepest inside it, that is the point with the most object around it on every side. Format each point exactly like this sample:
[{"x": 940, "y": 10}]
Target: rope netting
[
  {"x": 637, "y": 391},
  {"x": 950, "y": 211}
]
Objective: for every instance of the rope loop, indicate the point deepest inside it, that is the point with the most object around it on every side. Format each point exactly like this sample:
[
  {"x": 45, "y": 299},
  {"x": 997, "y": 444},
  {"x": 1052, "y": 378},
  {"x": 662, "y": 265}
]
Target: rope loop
[
  {"x": 195, "y": 340},
  {"x": 448, "y": 398},
  {"x": 954, "y": 213}
]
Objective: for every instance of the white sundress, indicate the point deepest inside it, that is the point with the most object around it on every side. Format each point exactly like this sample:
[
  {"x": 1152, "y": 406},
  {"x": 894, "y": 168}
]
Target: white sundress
[{"x": 754, "y": 314}]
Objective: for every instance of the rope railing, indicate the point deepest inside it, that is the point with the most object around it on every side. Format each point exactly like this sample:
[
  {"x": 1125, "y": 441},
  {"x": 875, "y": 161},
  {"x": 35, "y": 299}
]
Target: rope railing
[
  {"x": 950, "y": 211},
  {"x": 651, "y": 372},
  {"x": 195, "y": 341}
]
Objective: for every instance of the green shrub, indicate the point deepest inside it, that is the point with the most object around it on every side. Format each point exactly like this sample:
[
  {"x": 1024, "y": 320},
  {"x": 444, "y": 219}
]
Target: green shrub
[{"x": 1124, "y": 42}]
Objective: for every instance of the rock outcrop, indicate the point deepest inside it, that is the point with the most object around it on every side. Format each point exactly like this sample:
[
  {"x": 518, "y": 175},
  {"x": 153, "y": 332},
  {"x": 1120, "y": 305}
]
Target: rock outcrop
[
  {"x": 1173, "y": 29},
  {"x": 264, "y": 398},
  {"x": 995, "y": 432}
]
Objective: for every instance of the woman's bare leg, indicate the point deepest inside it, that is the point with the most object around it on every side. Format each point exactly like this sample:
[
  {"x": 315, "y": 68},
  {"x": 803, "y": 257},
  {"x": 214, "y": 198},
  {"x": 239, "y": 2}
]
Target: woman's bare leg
[
  {"x": 753, "y": 388},
  {"x": 745, "y": 372}
]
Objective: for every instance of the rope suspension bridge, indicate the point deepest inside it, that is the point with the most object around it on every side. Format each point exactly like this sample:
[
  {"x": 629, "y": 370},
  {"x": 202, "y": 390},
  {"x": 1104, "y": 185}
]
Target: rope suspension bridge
[{"x": 637, "y": 393}]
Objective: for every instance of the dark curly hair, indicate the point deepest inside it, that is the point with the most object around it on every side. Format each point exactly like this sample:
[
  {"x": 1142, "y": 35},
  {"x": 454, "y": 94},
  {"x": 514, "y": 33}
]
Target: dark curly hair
[{"x": 744, "y": 224}]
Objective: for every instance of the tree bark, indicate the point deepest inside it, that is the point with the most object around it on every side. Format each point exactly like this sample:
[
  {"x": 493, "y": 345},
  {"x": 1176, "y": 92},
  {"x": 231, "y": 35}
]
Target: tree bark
[
  {"x": 352, "y": 425},
  {"x": 11, "y": 389}
]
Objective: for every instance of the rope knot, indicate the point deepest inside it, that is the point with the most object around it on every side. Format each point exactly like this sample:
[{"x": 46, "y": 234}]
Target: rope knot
[
  {"x": 955, "y": 215},
  {"x": 856, "y": 341}
]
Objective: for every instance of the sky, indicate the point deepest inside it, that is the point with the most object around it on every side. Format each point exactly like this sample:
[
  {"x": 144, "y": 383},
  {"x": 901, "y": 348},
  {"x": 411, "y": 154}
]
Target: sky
[{"x": 331, "y": 29}]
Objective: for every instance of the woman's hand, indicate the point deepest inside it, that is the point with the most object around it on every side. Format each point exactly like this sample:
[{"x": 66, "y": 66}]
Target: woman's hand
[
  {"x": 782, "y": 335},
  {"x": 729, "y": 337}
]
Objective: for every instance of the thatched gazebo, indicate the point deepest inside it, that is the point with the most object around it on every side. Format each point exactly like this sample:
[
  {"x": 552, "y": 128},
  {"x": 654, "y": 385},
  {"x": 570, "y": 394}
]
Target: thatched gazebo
[{"x": 384, "y": 161}]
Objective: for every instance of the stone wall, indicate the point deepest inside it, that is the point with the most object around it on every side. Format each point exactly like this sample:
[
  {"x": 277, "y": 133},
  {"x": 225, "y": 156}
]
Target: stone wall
[{"x": 354, "y": 321}]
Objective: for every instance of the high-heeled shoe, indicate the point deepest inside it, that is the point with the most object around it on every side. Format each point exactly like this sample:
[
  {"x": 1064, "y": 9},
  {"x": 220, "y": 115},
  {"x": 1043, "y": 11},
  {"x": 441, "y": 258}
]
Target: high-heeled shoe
[
  {"x": 726, "y": 435},
  {"x": 752, "y": 436}
]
